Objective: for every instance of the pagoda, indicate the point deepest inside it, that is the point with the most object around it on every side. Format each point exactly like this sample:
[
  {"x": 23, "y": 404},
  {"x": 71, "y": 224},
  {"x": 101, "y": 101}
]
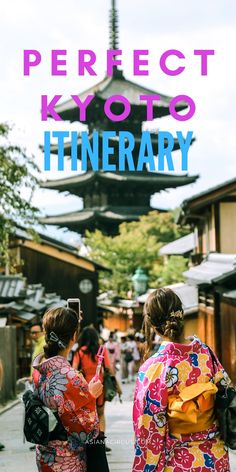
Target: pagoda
[{"x": 111, "y": 198}]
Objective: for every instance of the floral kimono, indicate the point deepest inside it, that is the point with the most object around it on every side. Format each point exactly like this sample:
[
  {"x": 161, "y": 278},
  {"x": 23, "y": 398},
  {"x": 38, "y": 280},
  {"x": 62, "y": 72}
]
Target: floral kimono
[
  {"x": 63, "y": 390},
  {"x": 173, "y": 414}
]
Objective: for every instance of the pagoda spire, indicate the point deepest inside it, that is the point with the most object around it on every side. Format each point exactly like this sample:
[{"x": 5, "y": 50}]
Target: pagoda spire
[
  {"x": 114, "y": 36},
  {"x": 114, "y": 30}
]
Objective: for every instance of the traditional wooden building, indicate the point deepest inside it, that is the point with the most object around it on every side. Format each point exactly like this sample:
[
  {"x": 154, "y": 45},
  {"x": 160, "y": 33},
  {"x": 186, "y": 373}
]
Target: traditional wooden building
[
  {"x": 21, "y": 304},
  {"x": 212, "y": 216},
  {"x": 119, "y": 313},
  {"x": 111, "y": 198},
  {"x": 59, "y": 268},
  {"x": 180, "y": 247}
]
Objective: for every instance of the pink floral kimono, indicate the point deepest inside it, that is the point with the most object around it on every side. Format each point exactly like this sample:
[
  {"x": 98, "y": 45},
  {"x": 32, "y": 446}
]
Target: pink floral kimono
[
  {"x": 63, "y": 389},
  {"x": 173, "y": 414}
]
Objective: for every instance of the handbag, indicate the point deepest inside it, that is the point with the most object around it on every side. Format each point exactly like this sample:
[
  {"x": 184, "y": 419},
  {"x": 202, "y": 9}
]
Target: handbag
[
  {"x": 225, "y": 407},
  {"x": 96, "y": 455},
  {"x": 128, "y": 356},
  {"x": 110, "y": 386}
]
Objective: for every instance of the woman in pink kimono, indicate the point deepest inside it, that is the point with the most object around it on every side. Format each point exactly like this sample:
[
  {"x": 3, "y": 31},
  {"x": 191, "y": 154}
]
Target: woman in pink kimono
[
  {"x": 67, "y": 393},
  {"x": 174, "y": 422},
  {"x": 113, "y": 351}
]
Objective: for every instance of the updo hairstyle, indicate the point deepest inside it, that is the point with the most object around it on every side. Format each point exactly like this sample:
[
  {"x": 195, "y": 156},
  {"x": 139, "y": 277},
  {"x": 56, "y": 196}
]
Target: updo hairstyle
[
  {"x": 163, "y": 312},
  {"x": 63, "y": 323}
]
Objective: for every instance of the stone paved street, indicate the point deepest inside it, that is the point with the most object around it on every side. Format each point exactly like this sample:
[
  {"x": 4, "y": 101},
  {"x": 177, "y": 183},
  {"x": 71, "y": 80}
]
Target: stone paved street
[{"x": 18, "y": 458}]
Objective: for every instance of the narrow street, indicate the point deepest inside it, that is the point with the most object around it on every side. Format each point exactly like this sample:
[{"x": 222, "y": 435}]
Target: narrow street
[{"x": 18, "y": 458}]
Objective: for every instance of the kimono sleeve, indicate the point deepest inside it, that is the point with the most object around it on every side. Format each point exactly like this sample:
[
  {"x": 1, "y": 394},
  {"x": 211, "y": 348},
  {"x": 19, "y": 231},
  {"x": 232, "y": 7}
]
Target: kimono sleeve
[
  {"x": 107, "y": 363},
  {"x": 221, "y": 378},
  {"x": 78, "y": 409},
  {"x": 150, "y": 422}
]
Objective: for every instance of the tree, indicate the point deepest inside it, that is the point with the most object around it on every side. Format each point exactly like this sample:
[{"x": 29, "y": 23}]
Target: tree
[
  {"x": 17, "y": 172},
  {"x": 169, "y": 273},
  {"x": 137, "y": 244}
]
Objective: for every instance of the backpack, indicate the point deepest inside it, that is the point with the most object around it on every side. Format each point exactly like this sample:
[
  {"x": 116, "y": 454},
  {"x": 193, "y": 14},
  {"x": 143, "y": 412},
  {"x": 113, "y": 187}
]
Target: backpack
[{"x": 41, "y": 424}]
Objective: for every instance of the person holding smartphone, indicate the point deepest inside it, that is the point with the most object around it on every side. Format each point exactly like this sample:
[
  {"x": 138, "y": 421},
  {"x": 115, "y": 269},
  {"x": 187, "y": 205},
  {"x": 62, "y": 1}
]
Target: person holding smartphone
[
  {"x": 85, "y": 360},
  {"x": 65, "y": 391}
]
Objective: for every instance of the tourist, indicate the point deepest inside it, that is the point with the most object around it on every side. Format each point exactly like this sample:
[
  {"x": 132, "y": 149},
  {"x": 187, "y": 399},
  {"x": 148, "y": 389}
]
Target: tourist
[
  {"x": 64, "y": 390},
  {"x": 123, "y": 361},
  {"x": 132, "y": 357},
  {"x": 85, "y": 360},
  {"x": 38, "y": 339},
  {"x": 174, "y": 419},
  {"x": 139, "y": 338},
  {"x": 113, "y": 351}
]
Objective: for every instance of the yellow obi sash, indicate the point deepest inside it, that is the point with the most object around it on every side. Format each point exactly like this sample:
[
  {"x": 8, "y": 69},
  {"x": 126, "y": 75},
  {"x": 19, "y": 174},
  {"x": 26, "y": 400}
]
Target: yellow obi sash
[{"x": 192, "y": 410}]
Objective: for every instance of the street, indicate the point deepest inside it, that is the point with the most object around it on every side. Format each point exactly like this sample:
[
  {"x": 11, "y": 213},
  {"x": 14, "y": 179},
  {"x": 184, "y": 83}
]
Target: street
[{"x": 18, "y": 457}]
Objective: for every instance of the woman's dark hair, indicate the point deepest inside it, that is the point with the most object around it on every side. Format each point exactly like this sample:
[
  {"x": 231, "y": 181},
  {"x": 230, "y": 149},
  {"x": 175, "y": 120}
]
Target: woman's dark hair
[
  {"x": 163, "y": 311},
  {"x": 63, "y": 323},
  {"x": 89, "y": 337},
  {"x": 131, "y": 337}
]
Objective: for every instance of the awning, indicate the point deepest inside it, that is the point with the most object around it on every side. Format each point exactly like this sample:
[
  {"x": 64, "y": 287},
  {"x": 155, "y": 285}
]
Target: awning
[
  {"x": 188, "y": 294},
  {"x": 230, "y": 294},
  {"x": 180, "y": 246},
  {"x": 216, "y": 268}
]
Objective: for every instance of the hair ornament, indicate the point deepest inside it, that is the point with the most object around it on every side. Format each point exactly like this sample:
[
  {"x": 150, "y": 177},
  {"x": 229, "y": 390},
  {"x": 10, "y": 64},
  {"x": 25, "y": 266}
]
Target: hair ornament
[
  {"x": 53, "y": 337},
  {"x": 177, "y": 314}
]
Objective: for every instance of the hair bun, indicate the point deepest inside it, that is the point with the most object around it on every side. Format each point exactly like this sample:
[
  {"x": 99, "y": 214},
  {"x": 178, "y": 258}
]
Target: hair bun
[{"x": 173, "y": 328}]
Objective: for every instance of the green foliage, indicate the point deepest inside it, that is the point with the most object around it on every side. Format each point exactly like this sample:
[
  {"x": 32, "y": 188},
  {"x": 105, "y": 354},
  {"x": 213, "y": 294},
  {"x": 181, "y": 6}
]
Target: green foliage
[
  {"x": 170, "y": 272},
  {"x": 17, "y": 172},
  {"x": 136, "y": 245}
]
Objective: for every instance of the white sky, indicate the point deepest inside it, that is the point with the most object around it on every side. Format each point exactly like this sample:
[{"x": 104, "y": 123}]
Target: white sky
[{"x": 153, "y": 25}]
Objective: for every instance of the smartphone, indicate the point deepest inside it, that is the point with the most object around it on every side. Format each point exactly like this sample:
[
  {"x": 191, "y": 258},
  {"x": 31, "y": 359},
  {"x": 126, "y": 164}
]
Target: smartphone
[{"x": 74, "y": 304}]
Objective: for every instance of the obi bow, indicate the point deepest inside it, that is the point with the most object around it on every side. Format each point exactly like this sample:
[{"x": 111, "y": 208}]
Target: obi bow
[{"x": 192, "y": 410}]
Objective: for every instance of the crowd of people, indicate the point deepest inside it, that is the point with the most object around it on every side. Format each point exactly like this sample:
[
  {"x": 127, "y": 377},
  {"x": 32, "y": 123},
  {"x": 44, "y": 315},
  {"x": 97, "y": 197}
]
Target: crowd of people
[{"x": 174, "y": 419}]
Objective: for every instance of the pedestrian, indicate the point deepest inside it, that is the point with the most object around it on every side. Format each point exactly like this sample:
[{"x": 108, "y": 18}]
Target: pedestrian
[
  {"x": 132, "y": 351},
  {"x": 38, "y": 340},
  {"x": 85, "y": 360},
  {"x": 62, "y": 389},
  {"x": 123, "y": 362},
  {"x": 174, "y": 420},
  {"x": 113, "y": 351},
  {"x": 139, "y": 338},
  {"x": 1, "y": 381}
]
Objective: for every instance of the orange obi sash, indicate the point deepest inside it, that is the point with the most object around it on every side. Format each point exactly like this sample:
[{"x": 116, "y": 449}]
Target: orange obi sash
[{"x": 192, "y": 410}]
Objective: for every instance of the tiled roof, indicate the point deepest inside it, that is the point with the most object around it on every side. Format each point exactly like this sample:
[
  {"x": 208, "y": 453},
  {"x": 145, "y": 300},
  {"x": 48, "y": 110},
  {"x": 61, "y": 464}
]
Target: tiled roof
[
  {"x": 188, "y": 294},
  {"x": 25, "y": 302},
  {"x": 180, "y": 246},
  {"x": 216, "y": 268},
  {"x": 12, "y": 286}
]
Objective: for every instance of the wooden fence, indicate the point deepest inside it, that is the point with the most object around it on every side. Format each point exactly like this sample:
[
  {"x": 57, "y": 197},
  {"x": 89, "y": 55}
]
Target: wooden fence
[{"x": 8, "y": 358}]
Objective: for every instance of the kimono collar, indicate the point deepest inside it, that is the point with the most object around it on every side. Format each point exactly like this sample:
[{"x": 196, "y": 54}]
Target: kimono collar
[
  {"x": 44, "y": 365},
  {"x": 178, "y": 348}
]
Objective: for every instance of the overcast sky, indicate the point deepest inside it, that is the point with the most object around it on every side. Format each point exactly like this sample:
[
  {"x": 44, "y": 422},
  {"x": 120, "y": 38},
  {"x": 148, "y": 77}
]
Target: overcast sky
[{"x": 153, "y": 25}]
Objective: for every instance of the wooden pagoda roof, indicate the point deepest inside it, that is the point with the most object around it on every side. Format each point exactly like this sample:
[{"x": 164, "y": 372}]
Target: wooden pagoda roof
[
  {"x": 150, "y": 181},
  {"x": 114, "y": 142},
  {"x": 107, "y": 218},
  {"x": 116, "y": 85}
]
